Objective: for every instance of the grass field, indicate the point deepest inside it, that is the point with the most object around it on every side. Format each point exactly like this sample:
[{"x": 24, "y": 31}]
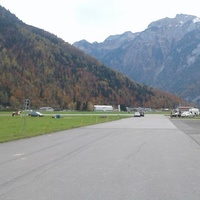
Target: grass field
[{"x": 13, "y": 128}]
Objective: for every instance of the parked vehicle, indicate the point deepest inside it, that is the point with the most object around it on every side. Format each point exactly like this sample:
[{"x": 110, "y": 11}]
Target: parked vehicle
[
  {"x": 176, "y": 114},
  {"x": 137, "y": 114},
  {"x": 35, "y": 114},
  {"x": 194, "y": 111},
  {"x": 187, "y": 114},
  {"x": 141, "y": 113}
]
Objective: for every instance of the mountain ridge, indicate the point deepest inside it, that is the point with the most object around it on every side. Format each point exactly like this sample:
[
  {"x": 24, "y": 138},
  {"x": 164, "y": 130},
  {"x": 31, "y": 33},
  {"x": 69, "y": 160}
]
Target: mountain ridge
[
  {"x": 38, "y": 65},
  {"x": 158, "y": 56}
]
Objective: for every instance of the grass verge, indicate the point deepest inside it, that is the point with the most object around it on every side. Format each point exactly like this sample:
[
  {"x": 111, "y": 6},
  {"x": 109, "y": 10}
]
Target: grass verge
[{"x": 14, "y": 128}]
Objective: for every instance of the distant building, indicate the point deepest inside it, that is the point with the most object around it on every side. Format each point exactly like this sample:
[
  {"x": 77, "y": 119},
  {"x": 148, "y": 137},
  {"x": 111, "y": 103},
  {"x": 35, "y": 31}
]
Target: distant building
[
  {"x": 184, "y": 108},
  {"x": 46, "y": 109},
  {"x": 194, "y": 111},
  {"x": 103, "y": 108}
]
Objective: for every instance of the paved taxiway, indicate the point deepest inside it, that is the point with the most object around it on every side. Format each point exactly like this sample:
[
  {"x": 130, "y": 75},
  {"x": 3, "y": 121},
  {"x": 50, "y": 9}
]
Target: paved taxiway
[{"x": 146, "y": 158}]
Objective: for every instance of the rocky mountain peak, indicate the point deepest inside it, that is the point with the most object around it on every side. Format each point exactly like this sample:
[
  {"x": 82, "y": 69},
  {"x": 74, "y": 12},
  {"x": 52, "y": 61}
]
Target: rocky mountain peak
[{"x": 165, "y": 55}]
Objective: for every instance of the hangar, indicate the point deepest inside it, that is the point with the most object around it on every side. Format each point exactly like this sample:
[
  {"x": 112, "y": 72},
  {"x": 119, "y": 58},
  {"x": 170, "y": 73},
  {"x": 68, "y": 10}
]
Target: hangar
[{"x": 103, "y": 108}]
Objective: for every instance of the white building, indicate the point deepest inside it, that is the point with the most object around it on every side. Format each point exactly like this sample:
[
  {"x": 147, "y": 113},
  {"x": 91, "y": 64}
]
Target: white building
[
  {"x": 46, "y": 109},
  {"x": 103, "y": 108},
  {"x": 194, "y": 111}
]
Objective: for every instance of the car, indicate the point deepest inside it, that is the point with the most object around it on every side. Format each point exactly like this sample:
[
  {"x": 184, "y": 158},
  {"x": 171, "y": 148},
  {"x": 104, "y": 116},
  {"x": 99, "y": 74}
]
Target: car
[
  {"x": 137, "y": 114},
  {"x": 141, "y": 113},
  {"x": 35, "y": 114},
  {"x": 176, "y": 114},
  {"x": 186, "y": 114}
]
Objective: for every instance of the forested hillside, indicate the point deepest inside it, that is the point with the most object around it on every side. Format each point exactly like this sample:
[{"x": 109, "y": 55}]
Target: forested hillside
[{"x": 37, "y": 65}]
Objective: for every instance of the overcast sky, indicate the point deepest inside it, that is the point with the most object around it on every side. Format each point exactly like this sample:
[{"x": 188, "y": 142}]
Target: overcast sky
[{"x": 95, "y": 20}]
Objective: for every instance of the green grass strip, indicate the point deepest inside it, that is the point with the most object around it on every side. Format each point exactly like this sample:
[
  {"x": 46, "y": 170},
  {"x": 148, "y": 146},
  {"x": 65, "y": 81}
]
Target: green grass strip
[{"x": 14, "y": 128}]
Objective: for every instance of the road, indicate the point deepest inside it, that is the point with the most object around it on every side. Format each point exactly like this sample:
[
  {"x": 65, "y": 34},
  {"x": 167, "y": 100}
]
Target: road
[{"x": 146, "y": 158}]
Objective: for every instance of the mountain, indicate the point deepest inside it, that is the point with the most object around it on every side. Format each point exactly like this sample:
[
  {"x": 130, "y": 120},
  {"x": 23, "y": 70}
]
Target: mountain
[
  {"x": 37, "y": 65},
  {"x": 166, "y": 55}
]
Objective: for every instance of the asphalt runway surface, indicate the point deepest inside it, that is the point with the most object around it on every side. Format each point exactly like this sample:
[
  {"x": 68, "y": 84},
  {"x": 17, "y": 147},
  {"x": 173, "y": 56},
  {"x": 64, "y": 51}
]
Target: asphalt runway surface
[
  {"x": 191, "y": 127},
  {"x": 145, "y": 158}
]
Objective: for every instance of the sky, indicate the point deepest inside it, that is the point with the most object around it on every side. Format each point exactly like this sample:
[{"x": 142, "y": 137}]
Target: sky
[{"x": 95, "y": 20}]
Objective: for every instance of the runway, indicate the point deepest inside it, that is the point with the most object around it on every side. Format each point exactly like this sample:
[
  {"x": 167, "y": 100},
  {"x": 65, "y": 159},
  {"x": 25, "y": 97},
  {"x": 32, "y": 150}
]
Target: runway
[{"x": 144, "y": 158}]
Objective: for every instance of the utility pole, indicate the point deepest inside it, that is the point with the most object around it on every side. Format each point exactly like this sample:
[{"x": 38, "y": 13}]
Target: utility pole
[{"x": 26, "y": 106}]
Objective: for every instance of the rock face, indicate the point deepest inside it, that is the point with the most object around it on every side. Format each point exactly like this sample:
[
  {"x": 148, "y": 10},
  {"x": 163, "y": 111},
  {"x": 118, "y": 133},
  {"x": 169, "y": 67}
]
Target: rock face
[{"x": 166, "y": 55}]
